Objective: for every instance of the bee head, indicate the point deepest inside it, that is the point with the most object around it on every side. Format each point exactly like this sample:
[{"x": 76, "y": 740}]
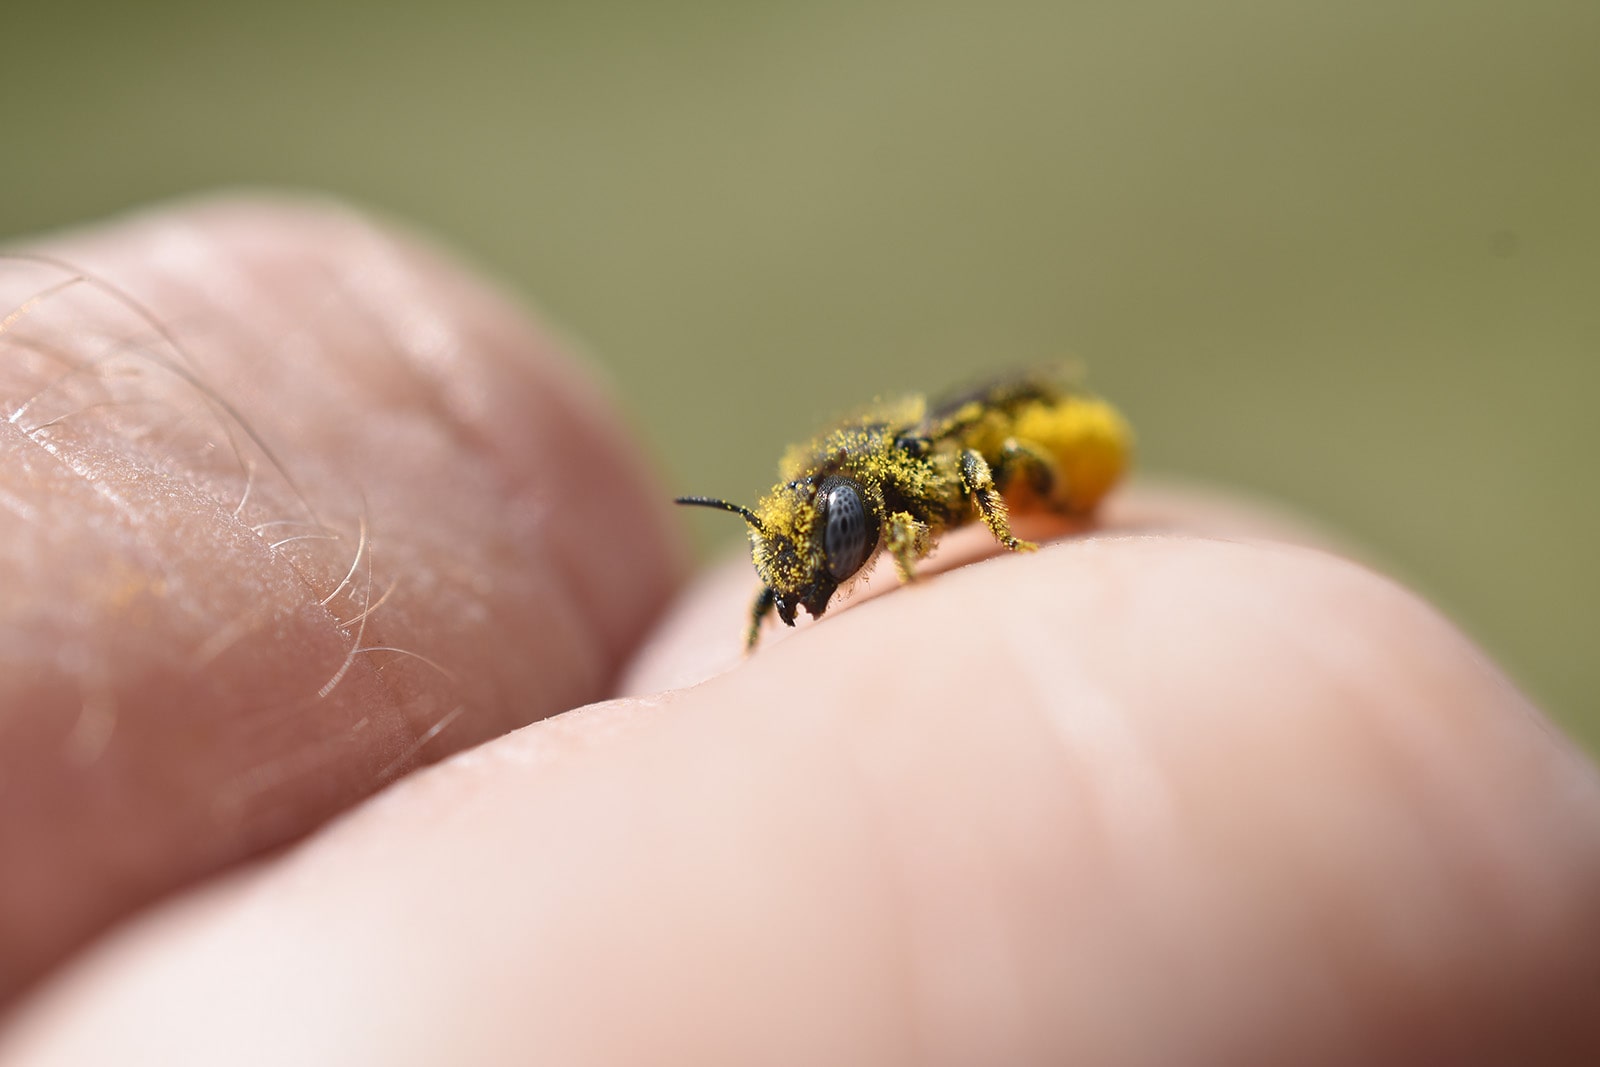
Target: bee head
[{"x": 806, "y": 537}]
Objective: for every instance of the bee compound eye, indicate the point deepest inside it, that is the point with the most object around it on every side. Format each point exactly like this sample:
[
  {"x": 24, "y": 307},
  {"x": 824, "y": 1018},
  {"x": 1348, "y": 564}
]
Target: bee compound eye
[{"x": 845, "y": 539}]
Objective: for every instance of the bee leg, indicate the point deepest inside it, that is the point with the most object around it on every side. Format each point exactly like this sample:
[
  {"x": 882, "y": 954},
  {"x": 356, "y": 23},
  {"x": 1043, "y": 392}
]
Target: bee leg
[
  {"x": 765, "y": 600},
  {"x": 907, "y": 541},
  {"x": 978, "y": 482},
  {"x": 1021, "y": 458}
]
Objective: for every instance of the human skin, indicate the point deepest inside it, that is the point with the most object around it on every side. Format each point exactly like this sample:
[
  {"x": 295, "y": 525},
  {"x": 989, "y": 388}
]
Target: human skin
[{"x": 1182, "y": 789}]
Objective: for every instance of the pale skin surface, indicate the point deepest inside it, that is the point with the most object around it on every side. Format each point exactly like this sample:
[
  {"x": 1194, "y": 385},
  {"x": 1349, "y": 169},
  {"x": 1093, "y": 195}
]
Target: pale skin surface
[{"x": 1185, "y": 795}]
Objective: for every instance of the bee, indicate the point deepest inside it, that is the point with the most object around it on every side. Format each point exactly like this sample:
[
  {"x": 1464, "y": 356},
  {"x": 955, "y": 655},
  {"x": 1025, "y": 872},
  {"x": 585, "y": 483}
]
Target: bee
[{"x": 897, "y": 475}]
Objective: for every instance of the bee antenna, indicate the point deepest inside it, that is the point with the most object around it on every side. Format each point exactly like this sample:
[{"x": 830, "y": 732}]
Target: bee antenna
[{"x": 723, "y": 505}]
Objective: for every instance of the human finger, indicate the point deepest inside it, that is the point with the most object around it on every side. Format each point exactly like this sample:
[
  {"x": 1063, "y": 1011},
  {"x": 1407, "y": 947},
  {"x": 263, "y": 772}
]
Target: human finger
[
  {"x": 1142, "y": 800},
  {"x": 291, "y": 505}
]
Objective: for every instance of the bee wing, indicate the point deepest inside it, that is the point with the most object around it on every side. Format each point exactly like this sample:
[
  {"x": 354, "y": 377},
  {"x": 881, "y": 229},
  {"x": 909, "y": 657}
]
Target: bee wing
[{"x": 1002, "y": 392}]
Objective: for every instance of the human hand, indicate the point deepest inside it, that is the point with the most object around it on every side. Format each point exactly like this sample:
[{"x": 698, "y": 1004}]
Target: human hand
[{"x": 1178, "y": 792}]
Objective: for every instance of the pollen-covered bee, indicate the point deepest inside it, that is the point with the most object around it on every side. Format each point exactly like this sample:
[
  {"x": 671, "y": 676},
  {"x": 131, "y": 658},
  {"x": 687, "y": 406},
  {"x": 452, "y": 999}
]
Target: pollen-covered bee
[{"x": 899, "y": 474}]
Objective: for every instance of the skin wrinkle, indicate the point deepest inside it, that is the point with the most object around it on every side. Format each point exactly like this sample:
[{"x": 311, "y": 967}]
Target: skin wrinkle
[
  {"x": 955, "y": 945},
  {"x": 901, "y": 949},
  {"x": 1046, "y": 670},
  {"x": 94, "y": 475},
  {"x": 1052, "y": 692},
  {"x": 1103, "y": 749},
  {"x": 997, "y": 936},
  {"x": 154, "y": 345}
]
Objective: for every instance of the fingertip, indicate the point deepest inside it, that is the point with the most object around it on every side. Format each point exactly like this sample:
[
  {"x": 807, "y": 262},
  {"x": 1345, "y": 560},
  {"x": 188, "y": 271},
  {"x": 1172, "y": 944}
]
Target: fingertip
[{"x": 1241, "y": 780}]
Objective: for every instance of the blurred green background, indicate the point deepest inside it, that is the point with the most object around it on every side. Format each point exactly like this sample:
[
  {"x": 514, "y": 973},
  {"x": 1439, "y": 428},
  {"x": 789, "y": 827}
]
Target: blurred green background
[{"x": 1343, "y": 255}]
